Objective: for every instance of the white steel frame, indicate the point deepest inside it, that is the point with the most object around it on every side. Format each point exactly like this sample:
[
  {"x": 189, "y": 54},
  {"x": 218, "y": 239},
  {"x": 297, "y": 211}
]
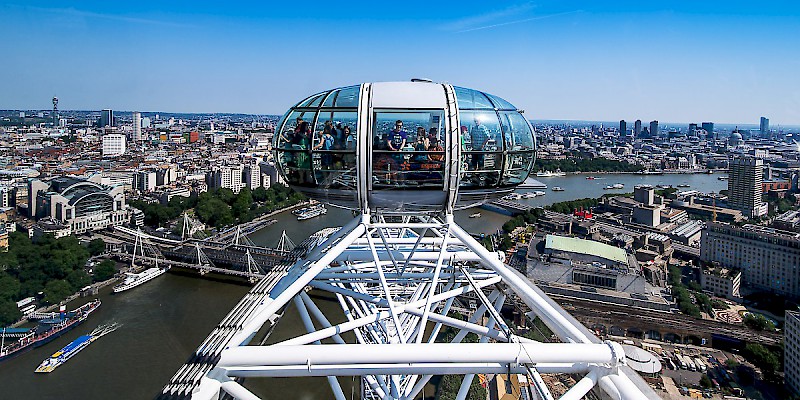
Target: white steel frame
[{"x": 396, "y": 283}]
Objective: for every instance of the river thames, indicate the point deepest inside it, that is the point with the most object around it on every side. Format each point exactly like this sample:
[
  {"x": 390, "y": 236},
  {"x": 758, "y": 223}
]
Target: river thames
[{"x": 163, "y": 321}]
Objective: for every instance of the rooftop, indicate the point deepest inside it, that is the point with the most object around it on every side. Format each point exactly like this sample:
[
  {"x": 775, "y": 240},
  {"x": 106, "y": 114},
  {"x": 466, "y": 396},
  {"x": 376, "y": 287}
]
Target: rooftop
[{"x": 589, "y": 247}]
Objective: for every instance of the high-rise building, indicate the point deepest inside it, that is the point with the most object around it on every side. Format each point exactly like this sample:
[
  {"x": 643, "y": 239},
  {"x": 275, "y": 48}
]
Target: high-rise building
[
  {"x": 106, "y": 118},
  {"x": 145, "y": 122},
  {"x": 137, "y": 126},
  {"x": 692, "y": 129},
  {"x": 654, "y": 131},
  {"x": 227, "y": 176},
  {"x": 637, "y": 127},
  {"x": 791, "y": 353},
  {"x": 623, "y": 127},
  {"x": 709, "y": 128},
  {"x": 744, "y": 186},
  {"x": 113, "y": 145},
  {"x": 764, "y": 126}
]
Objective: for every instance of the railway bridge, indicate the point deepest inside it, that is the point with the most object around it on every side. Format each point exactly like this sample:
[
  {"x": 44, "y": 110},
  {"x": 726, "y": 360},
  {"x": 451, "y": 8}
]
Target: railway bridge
[{"x": 618, "y": 320}]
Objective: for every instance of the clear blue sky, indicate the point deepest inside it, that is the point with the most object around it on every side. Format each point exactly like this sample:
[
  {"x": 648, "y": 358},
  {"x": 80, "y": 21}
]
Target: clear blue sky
[{"x": 595, "y": 60}]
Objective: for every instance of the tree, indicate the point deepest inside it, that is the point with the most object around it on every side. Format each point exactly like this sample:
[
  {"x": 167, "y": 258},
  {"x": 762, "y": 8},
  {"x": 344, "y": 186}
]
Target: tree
[
  {"x": 705, "y": 381},
  {"x": 9, "y": 287},
  {"x": 759, "y": 322},
  {"x": 260, "y": 194},
  {"x": 762, "y": 358},
  {"x": 96, "y": 247},
  {"x": 56, "y": 290},
  {"x": 78, "y": 279},
  {"x": 8, "y": 312},
  {"x": 104, "y": 271}
]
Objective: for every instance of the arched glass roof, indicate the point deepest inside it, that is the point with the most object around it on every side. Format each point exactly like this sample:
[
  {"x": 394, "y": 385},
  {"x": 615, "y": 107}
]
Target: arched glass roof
[{"x": 470, "y": 99}]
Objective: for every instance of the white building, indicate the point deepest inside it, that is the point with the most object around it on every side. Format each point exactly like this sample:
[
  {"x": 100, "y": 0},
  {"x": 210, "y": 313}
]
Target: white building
[
  {"x": 227, "y": 176},
  {"x": 791, "y": 351},
  {"x": 252, "y": 176},
  {"x": 137, "y": 127},
  {"x": 722, "y": 282},
  {"x": 80, "y": 204},
  {"x": 768, "y": 258},
  {"x": 113, "y": 145},
  {"x": 145, "y": 181}
]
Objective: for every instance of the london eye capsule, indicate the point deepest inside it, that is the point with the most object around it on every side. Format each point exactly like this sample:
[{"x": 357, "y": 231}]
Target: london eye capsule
[{"x": 404, "y": 147}]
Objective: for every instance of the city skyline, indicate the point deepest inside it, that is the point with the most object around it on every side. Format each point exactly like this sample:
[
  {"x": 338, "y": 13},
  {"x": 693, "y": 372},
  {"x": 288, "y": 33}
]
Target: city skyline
[{"x": 583, "y": 61}]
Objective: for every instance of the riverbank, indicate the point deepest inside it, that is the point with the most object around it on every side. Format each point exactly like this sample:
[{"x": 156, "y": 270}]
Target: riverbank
[
  {"x": 653, "y": 173},
  {"x": 94, "y": 289}
]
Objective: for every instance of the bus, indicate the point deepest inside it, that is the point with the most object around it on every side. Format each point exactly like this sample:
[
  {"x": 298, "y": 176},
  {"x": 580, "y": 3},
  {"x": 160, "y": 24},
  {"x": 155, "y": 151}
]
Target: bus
[{"x": 26, "y": 305}]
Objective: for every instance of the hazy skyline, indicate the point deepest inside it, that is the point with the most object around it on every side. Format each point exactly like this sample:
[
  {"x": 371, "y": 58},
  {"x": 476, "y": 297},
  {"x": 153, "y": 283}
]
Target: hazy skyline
[{"x": 730, "y": 62}]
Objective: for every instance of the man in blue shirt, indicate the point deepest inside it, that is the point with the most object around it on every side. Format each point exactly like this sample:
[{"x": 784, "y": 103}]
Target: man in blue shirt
[
  {"x": 479, "y": 136},
  {"x": 397, "y": 137}
]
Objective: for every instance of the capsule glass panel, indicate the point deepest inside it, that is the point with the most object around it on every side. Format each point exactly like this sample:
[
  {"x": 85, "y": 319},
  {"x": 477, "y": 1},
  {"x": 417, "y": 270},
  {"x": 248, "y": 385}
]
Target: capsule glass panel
[
  {"x": 481, "y": 149},
  {"x": 407, "y": 150},
  {"x": 334, "y": 149},
  {"x": 472, "y": 99}
]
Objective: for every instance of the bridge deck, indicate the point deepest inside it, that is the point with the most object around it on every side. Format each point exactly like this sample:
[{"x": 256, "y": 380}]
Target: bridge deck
[{"x": 207, "y": 354}]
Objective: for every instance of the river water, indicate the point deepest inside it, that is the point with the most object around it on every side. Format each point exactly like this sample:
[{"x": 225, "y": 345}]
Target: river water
[{"x": 164, "y": 320}]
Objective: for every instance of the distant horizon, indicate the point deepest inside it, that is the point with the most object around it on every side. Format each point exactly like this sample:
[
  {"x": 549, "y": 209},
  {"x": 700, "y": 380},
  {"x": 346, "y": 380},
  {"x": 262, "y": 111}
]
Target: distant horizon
[{"x": 545, "y": 120}]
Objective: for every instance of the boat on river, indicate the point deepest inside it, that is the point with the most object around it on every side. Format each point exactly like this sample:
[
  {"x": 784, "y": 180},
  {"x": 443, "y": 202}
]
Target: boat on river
[
  {"x": 311, "y": 212},
  {"x": 47, "y": 331},
  {"x": 133, "y": 280},
  {"x": 74, "y": 347},
  {"x": 548, "y": 174},
  {"x": 475, "y": 215}
]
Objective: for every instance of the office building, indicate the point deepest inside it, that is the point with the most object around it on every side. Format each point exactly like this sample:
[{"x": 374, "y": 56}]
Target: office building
[
  {"x": 137, "y": 127},
  {"x": 654, "y": 130},
  {"x": 744, "y": 186},
  {"x": 709, "y": 128},
  {"x": 623, "y": 127},
  {"x": 113, "y": 145},
  {"x": 106, "y": 118},
  {"x": 723, "y": 282},
  {"x": 769, "y": 259},
  {"x": 692, "y": 129},
  {"x": 791, "y": 351},
  {"x": 764, "y": 127},
  {"x": 82, "y": 205},
  {"x": 228, "y": 177},
  {"x": 637, "y": 127},
  {"x": 145, "y": 181}
]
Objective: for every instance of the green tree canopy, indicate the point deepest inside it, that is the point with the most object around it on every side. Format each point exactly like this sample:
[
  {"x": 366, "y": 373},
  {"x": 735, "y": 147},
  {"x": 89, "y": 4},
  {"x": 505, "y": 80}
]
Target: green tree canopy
[
  {"x": 56, "y": 290},
  {"x": 96, "y": 247},
  {"x": 9, "y": 312},
  {"x": 104, "y": 271}
]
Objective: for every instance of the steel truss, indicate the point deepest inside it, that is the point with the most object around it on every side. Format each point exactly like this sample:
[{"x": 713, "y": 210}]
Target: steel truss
[{"x": 397, "y": 283}]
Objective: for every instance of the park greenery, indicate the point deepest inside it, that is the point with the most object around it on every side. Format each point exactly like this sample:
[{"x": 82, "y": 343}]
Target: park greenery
[
  {"x": 567, "y": 207},
  {"x": 768, "y": 361},
  {"x": 54, "y": 267},
  {"x": 681, "y": 294},
  {"x": 781, "y": 205},
  {"x": 587, "y": 165},
  {"x": 528, "y": 217},
  {"x": 759, "y": 322},
  {"x": 220, "y": 207}
]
